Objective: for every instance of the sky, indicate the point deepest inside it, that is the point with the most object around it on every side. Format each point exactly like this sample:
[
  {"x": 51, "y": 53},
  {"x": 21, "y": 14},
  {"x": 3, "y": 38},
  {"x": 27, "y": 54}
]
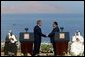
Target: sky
[{"x": 19, "y": 7}]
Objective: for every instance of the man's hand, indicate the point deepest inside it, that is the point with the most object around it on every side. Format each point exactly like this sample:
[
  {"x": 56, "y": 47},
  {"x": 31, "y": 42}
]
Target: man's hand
[
  {"x": 11, "y": 39},
  {"x": 45, "y": 35}
]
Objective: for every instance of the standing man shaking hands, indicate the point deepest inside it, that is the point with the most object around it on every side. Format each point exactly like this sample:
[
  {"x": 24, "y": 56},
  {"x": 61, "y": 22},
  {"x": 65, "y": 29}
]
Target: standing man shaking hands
[
  {"x": 51, "y": 35},
  {"x": 37, "y": 37}
]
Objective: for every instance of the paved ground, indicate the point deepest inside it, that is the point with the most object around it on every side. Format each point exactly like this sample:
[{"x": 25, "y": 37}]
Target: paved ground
[{"x": 41, "y": 54}]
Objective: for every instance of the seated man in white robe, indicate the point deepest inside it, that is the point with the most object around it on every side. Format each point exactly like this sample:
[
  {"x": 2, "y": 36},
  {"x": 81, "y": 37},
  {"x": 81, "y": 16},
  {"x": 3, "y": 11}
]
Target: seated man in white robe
[
  {"x": 77, "y": 46},
  {"x": 12, "y": 46},
  {"x": 12, "y": 38}
]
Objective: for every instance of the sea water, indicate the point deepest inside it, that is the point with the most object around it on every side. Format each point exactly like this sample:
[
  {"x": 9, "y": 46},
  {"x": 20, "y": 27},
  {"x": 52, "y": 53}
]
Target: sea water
[{"x": 17, "y": 23}]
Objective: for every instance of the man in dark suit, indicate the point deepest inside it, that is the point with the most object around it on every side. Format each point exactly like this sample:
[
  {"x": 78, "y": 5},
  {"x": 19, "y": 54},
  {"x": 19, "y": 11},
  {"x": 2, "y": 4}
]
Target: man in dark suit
[
  {"x": 51, "y": 35},
  {"x": 37, "y": 37}
]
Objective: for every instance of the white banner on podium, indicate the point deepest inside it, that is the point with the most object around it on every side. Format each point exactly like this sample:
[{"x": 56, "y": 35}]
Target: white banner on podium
[{"x": 26, "y": 36}]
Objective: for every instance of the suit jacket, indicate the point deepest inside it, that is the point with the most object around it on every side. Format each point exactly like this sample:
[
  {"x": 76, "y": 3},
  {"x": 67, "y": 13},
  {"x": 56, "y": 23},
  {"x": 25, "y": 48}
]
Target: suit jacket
[
  {"x": 51, "y": 35},
  {"x": 38, "y": 34}
]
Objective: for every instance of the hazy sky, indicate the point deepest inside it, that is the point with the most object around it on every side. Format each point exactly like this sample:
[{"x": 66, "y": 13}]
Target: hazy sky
[{"x": 42, "y": 7}]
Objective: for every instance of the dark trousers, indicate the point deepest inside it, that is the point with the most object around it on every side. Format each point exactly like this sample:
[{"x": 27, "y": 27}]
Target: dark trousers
[
  {"x": 13, "y": 48},
  {"x": 10, "y": 47},
  {"x": 54, "y": 45},
  {"x": 36, "y": 48},
  {"x": 54, "y": 48}
]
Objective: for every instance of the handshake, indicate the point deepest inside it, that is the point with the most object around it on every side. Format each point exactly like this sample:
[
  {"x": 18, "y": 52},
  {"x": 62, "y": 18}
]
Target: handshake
[{"x": 46, "y": 35}]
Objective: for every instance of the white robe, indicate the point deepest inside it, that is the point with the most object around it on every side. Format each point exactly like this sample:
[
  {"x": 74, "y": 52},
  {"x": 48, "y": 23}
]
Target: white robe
[
  {"x": 77, "y": 47},
  {"x": 79, "y": 37},
  {"x": 14, "y": 38}
]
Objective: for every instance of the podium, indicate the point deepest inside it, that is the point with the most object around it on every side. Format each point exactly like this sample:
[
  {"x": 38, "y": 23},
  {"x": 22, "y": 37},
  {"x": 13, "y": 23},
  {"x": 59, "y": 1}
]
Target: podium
[
  {"x": 61, "y": 43},
  {"x": 26, "y": 41}
]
